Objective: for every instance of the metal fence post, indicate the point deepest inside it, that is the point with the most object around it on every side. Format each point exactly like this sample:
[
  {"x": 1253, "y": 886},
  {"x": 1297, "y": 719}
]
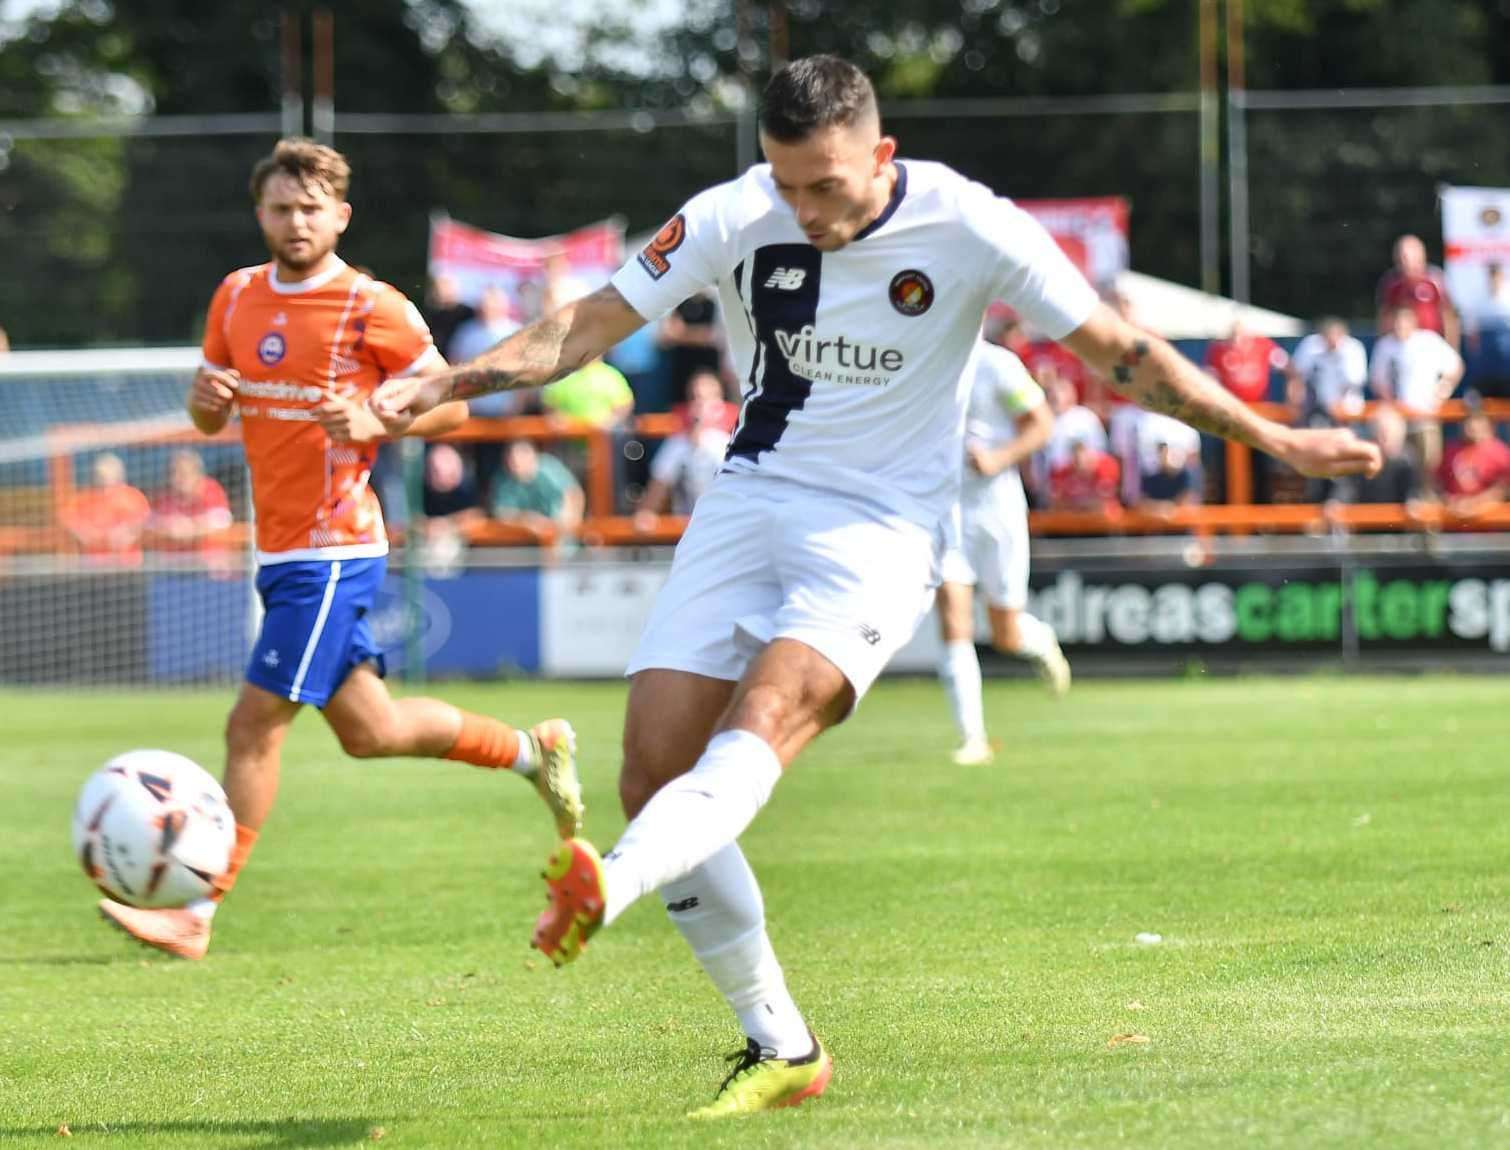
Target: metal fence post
[{"x": 412, "y": 455}]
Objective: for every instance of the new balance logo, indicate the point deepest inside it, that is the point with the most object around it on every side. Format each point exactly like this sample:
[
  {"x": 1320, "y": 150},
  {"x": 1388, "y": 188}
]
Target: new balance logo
[
  {"x": 682, "y": 904},
  {"x": 870, "y": 634},
  {"x": 787, "y": 279}
]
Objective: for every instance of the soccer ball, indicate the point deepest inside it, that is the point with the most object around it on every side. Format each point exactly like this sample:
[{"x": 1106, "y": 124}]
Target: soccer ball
[{"x": 152, "y": 828}]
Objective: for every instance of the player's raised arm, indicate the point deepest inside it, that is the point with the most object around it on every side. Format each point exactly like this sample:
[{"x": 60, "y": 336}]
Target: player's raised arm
[
  {"x": 1153, "y": 375},
  {"x": 548, "y": 349}
]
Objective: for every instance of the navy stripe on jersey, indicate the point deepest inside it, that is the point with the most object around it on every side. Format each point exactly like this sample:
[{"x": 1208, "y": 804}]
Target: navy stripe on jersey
[{"x": 783, "y": 296}]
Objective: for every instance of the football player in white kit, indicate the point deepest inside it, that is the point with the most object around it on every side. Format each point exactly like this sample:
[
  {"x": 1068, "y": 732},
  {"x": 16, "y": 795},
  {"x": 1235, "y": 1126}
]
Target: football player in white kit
[
  {"x": 986, "y": 546},
  {"x": 854, "y": 286}
]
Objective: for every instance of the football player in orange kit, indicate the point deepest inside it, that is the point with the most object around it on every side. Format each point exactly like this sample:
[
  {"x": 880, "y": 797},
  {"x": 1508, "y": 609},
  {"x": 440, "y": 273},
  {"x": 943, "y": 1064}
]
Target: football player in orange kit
[{"x": 295, "y": 346}]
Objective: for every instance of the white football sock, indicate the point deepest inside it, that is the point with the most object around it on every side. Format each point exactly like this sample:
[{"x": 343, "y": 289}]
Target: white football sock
[
  {"x": 690, "y": 818},
  {"x": 959, "y": 672},
  {"x": 1036, "y": 636},
  {"x": 720, "y": 913},
  {"x": 524, "y": 757},
  {"x": 202, "y": 908}
]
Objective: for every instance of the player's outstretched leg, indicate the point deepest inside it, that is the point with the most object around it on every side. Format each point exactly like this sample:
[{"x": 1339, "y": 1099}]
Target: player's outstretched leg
[
  {"x": 790, "y": 692},
  {"x": 371, "y": 723},
  {"x": 254, "y": 735},
  {"x": 761, "y": 1081},
  {"x": 545, "y": 756}
]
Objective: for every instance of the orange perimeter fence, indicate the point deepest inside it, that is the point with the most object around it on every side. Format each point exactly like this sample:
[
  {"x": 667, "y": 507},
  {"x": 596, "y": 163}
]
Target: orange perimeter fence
[{"x": 602, "y": 527}]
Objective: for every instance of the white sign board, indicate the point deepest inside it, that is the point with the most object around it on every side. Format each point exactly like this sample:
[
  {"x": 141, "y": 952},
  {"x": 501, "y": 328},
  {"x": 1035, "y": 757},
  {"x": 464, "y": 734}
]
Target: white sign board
[{"x": 1475, "y": 234}]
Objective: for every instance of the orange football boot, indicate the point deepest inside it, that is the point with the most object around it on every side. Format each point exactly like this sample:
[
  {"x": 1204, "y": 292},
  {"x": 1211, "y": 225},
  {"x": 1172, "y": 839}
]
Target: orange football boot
[{"x": 574, "y": 878}]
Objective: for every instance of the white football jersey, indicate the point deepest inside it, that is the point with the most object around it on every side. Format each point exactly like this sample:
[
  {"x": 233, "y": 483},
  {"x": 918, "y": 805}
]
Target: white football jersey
[
  {"x": 1001, "y": 392},
  {"x": 853, "y": 362}
]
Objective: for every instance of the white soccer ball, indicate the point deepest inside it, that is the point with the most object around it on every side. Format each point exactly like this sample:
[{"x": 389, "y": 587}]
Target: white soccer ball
[{"x": 152, "y": 828}]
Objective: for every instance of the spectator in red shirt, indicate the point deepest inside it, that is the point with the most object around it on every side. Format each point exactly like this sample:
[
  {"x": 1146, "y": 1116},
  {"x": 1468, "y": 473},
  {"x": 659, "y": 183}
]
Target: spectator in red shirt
[
  {"x": 192, "y": 512},
  {"x": 1420, "y": 286},
  {"x": 1243, "y": 362},
  {"x": 106, "y": 520},
  {"x": 1087, "y": 481},
  {"x": 1045, "y": 360},
  {"x": 1476, "y": 472}
]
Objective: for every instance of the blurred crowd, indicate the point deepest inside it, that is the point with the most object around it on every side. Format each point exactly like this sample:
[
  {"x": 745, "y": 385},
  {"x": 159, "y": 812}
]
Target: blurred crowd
[
  {"x": 679, "y": 368},
  {"x": 111, "y": 522},
  {"x": 1103, "y": 454}
]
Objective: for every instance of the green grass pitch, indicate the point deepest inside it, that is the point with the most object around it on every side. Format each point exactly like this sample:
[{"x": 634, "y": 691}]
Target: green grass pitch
[{"x": 1325, "y": 860}]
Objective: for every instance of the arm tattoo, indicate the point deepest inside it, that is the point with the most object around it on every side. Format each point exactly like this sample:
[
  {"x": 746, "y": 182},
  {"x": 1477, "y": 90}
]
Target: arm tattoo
[
  {"x": 1163, "y": 393},
  {"x": 539, "y": 354},
  {"x": 533, "y": 357},
  {"x": 1123, "y": 372}
]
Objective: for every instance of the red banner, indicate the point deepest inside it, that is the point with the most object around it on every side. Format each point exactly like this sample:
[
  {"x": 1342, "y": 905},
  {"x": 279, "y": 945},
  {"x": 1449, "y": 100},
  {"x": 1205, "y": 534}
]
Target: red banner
[
  {"x": 575, "y": 264},
  {"x": 1092, "y": 231}
]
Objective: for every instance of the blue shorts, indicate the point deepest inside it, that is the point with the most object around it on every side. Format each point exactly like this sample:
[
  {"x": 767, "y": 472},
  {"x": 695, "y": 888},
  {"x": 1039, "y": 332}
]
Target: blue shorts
[{"x": 315, "y": 627}]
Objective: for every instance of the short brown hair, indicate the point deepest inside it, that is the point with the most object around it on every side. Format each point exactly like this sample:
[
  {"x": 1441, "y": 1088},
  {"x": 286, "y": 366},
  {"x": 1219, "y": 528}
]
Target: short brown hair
[
  {"x": 812, "y": 93},
  {"x": 307, "y": 162}
]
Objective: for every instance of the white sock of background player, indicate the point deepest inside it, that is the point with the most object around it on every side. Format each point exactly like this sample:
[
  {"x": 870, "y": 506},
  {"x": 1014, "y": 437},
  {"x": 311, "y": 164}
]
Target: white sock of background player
[
  {"x": 1036, "y": 637},
  {"x": 959, "y": 672}
]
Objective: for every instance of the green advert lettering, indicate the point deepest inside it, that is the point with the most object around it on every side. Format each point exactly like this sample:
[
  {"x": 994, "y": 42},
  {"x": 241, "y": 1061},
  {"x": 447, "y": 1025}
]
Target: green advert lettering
[{"x": 1253, "y": 603}]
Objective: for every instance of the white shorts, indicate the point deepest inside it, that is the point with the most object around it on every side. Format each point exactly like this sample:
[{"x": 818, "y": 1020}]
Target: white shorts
[
  {"x": 987, "y": 547},
  {"x": 765, "y": 558}
]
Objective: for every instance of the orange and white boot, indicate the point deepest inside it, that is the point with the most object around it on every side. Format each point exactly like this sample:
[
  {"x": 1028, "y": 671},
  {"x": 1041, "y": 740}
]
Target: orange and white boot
[{"x": 574, "y": 886}]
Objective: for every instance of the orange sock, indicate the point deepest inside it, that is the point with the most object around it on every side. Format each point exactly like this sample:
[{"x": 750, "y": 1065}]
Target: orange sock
[
  {"x": 246, "y": 838},
  {"x": 485, "y": 742}
]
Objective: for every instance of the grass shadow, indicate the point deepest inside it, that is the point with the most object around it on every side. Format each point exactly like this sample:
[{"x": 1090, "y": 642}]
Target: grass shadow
[
  {"x": 65, "y": 959},
  {"x": 273, "y": 1133}
]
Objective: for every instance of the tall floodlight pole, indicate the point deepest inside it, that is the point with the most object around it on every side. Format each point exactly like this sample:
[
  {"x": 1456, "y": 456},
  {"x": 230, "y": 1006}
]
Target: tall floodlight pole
[
  {"x": 745, "y": 53},
  {"x": 323, "y": 108},
  {"x": 292, "y": 57},
  {"x": 1237, "y": 153},
  {"x": 776, "y": 29},
  {"x": 1210, "y": 149}
]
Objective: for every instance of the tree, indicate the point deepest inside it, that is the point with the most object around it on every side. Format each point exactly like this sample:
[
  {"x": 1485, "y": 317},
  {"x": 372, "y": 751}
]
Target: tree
[{"x": 123, "y": 239}]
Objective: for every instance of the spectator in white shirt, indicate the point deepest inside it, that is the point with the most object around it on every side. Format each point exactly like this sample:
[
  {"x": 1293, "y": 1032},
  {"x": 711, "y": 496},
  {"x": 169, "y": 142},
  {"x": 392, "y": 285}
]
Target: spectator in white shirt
[
  {"x": 1073, "y": 423},
  {"x": 687, "y": 463},
  {"x": 1416, "y": 369},
  {"x": 1327, "y": 374}
]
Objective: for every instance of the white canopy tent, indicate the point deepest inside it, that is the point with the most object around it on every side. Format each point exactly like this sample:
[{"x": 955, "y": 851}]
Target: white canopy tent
[{"x": 1175, "y": 311}]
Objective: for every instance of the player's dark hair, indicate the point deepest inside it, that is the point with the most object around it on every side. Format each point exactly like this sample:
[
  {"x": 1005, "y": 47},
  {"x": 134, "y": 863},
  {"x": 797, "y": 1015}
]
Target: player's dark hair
[
  {"x": 812, "y": 93},
  {"x": 307, "y": 162}
]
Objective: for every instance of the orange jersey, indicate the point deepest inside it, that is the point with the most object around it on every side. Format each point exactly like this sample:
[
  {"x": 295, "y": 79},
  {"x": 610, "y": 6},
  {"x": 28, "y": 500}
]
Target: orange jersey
[{"x": 294, "y": 345}]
